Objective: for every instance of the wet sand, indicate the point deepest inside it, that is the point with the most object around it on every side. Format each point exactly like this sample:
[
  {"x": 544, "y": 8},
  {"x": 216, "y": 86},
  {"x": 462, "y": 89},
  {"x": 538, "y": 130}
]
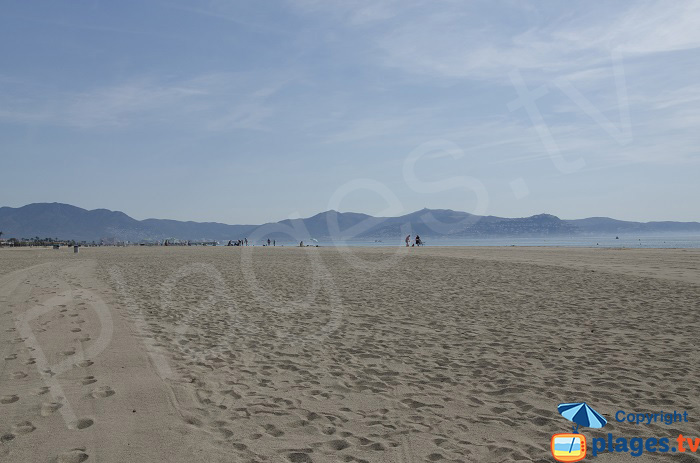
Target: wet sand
[{"x": 315, "y": 354}]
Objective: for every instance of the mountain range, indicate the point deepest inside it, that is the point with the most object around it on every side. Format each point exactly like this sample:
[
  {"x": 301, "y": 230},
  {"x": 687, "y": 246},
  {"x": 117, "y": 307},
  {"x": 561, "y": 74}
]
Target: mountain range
[{"x": 64, "y": 221}]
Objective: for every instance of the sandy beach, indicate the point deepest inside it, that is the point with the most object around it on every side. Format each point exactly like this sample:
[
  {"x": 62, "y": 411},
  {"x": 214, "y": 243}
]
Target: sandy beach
[{"x": 280, "y": 354}]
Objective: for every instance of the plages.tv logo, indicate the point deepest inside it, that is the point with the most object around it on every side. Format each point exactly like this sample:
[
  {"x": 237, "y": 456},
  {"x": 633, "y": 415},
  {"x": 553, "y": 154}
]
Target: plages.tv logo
[{"x": 570, "y": 447}]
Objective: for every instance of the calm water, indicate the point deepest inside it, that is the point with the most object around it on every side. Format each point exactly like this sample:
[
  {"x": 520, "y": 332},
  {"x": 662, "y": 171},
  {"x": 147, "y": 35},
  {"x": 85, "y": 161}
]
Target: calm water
[{"x": 608, "y": 241}]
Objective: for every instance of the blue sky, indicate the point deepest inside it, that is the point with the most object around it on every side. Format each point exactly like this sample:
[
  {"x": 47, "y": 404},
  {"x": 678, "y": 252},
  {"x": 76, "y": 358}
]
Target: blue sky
[{"x": 247, "y": 112}]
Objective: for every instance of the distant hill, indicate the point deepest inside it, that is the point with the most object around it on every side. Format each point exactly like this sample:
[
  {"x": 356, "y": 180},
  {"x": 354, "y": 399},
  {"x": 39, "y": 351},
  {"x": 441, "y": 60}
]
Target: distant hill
[
  {"x": 64, "y": 221},
  {"x": 56, "y": 220},
  {"x": 608, "y": 225}
]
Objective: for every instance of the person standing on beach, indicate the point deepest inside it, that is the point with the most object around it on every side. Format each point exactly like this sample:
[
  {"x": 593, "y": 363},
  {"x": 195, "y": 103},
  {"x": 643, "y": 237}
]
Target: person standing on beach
[
  {"x": 274, "y": 242},
  {"x": 408, "y": 239},
  {"x": 268, "y": 241},
  {"x": 246, "y": 241}
]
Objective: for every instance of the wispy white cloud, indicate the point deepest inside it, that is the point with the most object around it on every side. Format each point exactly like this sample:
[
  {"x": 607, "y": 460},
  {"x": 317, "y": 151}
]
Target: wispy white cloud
[
  {"x": 643, "y": 28},
  {"x": 121, "y": 104},
  {"x": 377, "y": 127},
  {"x": 246, "y": 116},
  {"x": 239, "y": 13},
  {"x": 686, "y": 96},
  {"x": 215, "y": 101},
  {"x": 91, "y": 27},
  {"x": 455, "y": 39},
  {"x": 357, "y": 13},
  {"x": 438, "y": 43}
]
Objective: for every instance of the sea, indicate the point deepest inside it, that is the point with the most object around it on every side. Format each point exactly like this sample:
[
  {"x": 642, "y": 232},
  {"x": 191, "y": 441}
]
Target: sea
[{"x": 603, "y": 241}]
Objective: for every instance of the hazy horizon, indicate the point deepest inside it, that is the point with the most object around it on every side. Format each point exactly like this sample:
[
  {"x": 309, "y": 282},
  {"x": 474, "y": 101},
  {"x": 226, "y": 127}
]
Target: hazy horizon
[
  {"x": 244, "y": 113},
  {"x": 274, "y": 220}
]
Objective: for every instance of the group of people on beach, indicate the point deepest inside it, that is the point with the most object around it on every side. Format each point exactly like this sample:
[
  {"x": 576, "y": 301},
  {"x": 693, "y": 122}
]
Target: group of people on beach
[
  {"x": 417, "y": 241},
  {"x": 244, "y": 242}
]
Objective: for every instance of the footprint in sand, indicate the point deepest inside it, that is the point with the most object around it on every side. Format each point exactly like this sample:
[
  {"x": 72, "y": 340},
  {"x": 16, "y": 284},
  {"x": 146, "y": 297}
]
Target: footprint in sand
[
  {"x": 272, "y": 430},
  {"x": 47, "y": 408},
  {"x": 82, "y": 423},
  {"x": 68, "y": 353},
  {"x": 42, "y": 390},
  {"x": 7, "y": 437},
  {"x": 11, "y": 357},
  {"x": 84, "y": 363},
  {"x": 8, "y": 399},
  {"x": 338, "y": 444},
  {"x": 299, "y": 457},
  {"x": 85, "y": 338},
  {"x": 88, "y": 380},
  {"x": 378, "y": 446},
  {"x": 19, "y": 375},
  {"x": 193, "y": 421},
  {"x": 102, "y": 392},
  {"x": 25, "y": 427},
  {"x": 226, "y": 433},
  {"x": 76, "y": 455}
]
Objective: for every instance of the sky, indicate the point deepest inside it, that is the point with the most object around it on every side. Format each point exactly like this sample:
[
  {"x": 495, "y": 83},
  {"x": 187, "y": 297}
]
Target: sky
[{"x": 249, "y": 112}]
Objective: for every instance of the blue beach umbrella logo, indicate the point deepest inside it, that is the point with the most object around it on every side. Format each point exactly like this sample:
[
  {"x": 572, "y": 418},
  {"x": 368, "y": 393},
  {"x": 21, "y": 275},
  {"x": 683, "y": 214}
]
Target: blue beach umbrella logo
[
  {"x": 571, "y": 447},
  {"x": 581, "y": 414}
]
